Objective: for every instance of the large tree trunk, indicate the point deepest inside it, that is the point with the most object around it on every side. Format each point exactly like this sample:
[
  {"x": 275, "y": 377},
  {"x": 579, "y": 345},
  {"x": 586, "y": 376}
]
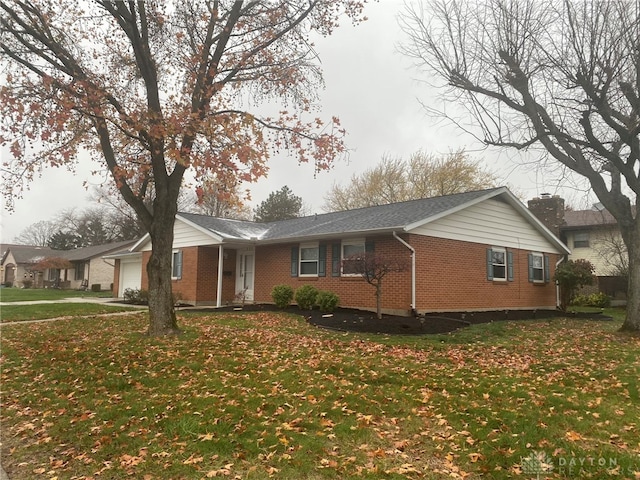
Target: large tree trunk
[
  {"x": 162, "y": 315},
  {"x": 632, "y": 241}
]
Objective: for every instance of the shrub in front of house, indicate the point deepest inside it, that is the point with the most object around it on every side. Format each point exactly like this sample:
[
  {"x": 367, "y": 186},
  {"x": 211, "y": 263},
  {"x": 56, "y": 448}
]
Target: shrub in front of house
[
  {"x": 135, "y": 296},
  {"x": 580, "y": 300},
  {"x": 27, "y": 283},
  {"x": 599, "y": 300},
  {"x": 305, "y": 297},
  {"x": 282, "y": 295},
  {"x": 327, "y": 301},
  {"x": 177, "y": 298},
  {"x": 95, "y": 287}
]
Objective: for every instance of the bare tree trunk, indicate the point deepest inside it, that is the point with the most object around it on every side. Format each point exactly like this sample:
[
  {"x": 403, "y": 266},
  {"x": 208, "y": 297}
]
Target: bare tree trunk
[
  {"x": 162, "y": 315},
  {"x": 379, "y": 299},
  {"x": 632, "y": 240}
]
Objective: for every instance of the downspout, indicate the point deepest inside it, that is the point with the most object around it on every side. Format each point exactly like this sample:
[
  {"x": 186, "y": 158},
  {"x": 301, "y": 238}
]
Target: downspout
[
  {"x": 413, "y": 271},
  {"x": 562, "y": 259},
  {"x": 220, "y": 272}
]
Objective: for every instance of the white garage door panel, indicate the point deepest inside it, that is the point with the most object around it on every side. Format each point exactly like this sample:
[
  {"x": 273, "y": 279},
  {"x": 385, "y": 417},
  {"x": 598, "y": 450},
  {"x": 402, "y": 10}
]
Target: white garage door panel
[{"x": 130, "y": 276}]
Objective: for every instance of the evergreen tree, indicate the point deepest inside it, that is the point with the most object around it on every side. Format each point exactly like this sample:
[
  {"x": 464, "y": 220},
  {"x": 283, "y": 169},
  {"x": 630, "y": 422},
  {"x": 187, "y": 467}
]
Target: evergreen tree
[{"x": 279, "y": 205}]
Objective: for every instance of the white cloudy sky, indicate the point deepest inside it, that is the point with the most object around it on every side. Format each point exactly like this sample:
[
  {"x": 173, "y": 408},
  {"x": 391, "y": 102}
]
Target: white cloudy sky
[{"x": 376, "y": 94}]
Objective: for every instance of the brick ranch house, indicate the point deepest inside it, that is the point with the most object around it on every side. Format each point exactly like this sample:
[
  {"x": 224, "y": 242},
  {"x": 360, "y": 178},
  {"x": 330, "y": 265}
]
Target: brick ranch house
[{"x": 474, "y": 251}]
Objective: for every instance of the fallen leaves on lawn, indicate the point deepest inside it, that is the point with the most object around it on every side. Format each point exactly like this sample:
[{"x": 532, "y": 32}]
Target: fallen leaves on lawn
[{"x": 261, "y": 393}]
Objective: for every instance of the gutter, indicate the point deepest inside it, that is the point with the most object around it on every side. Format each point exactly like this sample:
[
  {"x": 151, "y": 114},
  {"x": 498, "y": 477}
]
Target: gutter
[
  {"x": 562, "y": 259},
  {"x": 413, "y": 270}
]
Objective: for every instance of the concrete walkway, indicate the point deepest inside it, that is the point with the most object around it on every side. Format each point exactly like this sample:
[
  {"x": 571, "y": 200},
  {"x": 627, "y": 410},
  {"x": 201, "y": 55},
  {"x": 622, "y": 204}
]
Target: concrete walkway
[
  {"x": 101, "y": 300},
  {"x": 70, "y": 300}
]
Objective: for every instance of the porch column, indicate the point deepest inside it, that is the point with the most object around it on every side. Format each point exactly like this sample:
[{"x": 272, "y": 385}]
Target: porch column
[{"x": 220, "y": 274}]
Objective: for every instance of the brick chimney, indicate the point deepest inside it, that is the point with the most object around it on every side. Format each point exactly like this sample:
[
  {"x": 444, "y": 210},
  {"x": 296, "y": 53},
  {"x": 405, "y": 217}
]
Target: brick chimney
[{"x": 549, "y": 210}]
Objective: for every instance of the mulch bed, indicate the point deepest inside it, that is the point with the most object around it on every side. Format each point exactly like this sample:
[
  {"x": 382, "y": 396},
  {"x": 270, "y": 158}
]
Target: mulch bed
[{"x": 353, "y": 320}]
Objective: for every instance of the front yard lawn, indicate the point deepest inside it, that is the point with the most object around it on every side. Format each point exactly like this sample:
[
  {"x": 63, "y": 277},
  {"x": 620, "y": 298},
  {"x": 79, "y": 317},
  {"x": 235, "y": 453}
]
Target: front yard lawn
[
  {"x": 261, "y": 394},
  {"x": 32, "y": 294}
]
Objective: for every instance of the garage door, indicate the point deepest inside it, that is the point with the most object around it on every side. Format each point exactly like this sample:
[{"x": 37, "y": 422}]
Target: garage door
[{"x": 130, "y": 275}]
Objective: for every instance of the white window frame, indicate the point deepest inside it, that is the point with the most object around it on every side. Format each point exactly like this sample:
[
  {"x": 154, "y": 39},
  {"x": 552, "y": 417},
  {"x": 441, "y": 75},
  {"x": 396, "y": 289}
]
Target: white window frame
[
  {"x": 302, "y": 246},
  {"x": 173, "y": 264},
  {"x": 502, "y": 265},
  {"x": 355, "y": 241},
  {"x": 539, "y": 255}
]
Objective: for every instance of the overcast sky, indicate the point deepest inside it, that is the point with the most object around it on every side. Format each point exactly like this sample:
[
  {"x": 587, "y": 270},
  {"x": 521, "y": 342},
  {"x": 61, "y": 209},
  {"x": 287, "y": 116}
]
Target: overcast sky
[{"x": 375, "y": 92}]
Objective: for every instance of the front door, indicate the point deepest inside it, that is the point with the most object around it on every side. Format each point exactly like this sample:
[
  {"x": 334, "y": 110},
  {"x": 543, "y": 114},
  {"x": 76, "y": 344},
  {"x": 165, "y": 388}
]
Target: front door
[{"x": 245, "y": 276}]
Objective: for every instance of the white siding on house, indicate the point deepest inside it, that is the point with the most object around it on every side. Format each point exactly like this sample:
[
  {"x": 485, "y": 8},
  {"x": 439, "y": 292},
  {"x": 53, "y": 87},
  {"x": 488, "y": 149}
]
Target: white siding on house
[
  {"x": 185, "y": 235},
  {"x": 491, "y": 223},
  {"x": 601, "y": 249}
]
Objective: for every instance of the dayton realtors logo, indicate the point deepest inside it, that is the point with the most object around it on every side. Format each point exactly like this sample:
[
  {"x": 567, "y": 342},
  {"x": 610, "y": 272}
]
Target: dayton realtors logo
[
  {"x": 540, "y": 463},
  {"x": 537, "y": 463}
]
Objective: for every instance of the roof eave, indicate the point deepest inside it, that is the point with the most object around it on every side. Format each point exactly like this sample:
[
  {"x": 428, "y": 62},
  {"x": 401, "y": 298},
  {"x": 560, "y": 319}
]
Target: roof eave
[
  {"x": 324, "y": 236},
  {"x": 120, "y": 255}
]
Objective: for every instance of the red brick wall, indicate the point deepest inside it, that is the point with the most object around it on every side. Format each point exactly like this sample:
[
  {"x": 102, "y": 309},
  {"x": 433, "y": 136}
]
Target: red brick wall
[
  {"x": 273, "y": 267},
  {"x": 452, "y": 275},
  {"x": 198, "y": 284}
]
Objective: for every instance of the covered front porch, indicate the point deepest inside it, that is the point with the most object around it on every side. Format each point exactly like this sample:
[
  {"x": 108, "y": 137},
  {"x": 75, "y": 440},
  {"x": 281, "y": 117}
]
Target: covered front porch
[{"x": 214, "y": 275}]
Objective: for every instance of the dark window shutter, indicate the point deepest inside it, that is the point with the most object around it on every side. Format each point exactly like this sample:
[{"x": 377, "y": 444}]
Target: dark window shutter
[
  {"x": 294, "y": 261},
  {"x": 368, "y": 247},
  {"x": 530, "y": 260},
  {"x": 547, "y": 273},
  {"x": 335, "y": 259},
  {"x": 510, "y": 266},
  {"x": 489, "y": 265},
  {"x": 322, "y": 260}
]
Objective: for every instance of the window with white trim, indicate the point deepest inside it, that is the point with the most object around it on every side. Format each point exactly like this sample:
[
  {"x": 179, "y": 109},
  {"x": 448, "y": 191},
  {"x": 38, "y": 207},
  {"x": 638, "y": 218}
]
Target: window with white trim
[
  {"x": 537, "y": 267},
  {"x": 499, "y": 263},
  {"x": 350, "y": 249},
  {"x": 176, "y": 264},
  {"x": 309, "y": 256}
]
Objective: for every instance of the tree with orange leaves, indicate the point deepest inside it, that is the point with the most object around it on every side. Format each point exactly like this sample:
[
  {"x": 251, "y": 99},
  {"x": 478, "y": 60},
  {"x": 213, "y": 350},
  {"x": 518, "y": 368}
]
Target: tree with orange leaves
[{"x": 157, "y": 89}]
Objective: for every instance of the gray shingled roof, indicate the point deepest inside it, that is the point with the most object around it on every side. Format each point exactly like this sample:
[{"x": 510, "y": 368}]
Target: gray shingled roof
[
  {"x": 587, "y": 218},
  {"x": 227, "y": 228},
  {"x": 380, "y": 218},
  {"x": 87, "y": 253},
  {"x": 28, "y": 253}
]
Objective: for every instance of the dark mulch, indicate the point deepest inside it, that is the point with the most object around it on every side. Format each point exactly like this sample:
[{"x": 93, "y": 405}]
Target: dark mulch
[{"x": 353, "y": 320}]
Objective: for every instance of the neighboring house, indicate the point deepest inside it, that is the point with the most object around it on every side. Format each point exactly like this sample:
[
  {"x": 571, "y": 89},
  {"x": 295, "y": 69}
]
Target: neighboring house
[
  {"x": 592, "y": 235},
  {"x": 477, "y": 251},
  {"x": 89, "y": 266},
  {"x": 18, "y": 262}
]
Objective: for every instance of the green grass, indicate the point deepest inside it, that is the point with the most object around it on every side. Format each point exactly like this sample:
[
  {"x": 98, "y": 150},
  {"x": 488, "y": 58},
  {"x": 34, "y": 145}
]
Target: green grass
[
  {"x": 33, "y": 294},
  {"x": 259, "y": 395},
  {"x": 21, "y": 313}
]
